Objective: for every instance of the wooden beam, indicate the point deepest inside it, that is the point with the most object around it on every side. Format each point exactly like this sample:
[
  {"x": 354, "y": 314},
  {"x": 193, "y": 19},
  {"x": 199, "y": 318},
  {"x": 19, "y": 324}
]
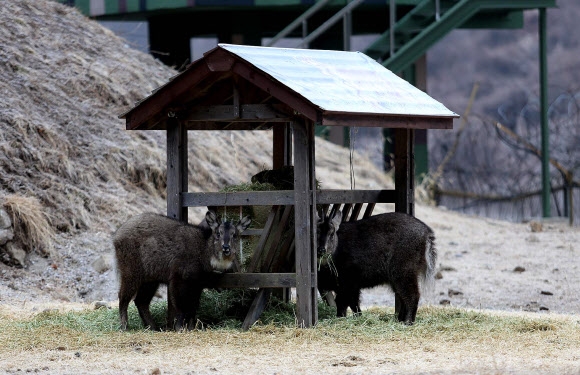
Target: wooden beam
[
  {"x": 176, "y": 169},
  {"x": 154, "y": 104},
  {"x": 257, "y": 254},
  {"x": 256, "y": 308},
  {"x": 228, "y": 125},
  {"x": 386, "y": 121},
  {"x": 286, "y": 197},
  {"x": 281, "y": 146},
  {"x": 303, "y": 224},
  {"x": 404, "y": 170},
  {"x": 233, "y": 113},
  {"x": 280, "y": 92}
]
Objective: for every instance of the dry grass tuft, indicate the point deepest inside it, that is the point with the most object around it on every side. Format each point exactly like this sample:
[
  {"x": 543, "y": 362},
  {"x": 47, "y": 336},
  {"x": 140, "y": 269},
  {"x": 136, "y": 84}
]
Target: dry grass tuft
[{"x": 32, "y": 227}]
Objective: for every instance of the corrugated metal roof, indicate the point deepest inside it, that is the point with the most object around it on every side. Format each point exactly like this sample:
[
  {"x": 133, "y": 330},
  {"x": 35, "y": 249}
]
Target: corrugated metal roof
[{"x": 338, "y": 81}]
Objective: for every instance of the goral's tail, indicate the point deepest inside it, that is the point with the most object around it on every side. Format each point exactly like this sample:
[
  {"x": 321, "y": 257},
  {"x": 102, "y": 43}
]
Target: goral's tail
[{"x": 431, "y": 259}]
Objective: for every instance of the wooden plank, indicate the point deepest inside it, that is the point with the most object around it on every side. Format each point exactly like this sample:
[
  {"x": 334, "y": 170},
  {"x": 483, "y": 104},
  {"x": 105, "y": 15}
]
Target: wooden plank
[
  {"x": 313, "y": 224},
  {"x": 303, "y": 235},
  {"x": 345, "y": 211},
  {"x": 252, "y": 280},
  {"x": 256, "y": 308},
  {"x": 355, "y": 212},
  {"x": 253, "y": 198},
  {"x": 257, "y": 254},
  {"x": 369, "y": 210},
  {"x": 387, "y": 121},
  {"x": 276, "y": 236},
  {"x": 152, "y": 105},
  {"x": 227, "y": 113},
  {"x": 355, "y": 196},
  {"x": 286, "y": 197},
  {"x": 404, "y": 171},
  {"x": 225, "y": 125},
  {"x": 176, "y": 169},
  {"x": 281, "y": 263},
  {"x": 281, "y": 146}
]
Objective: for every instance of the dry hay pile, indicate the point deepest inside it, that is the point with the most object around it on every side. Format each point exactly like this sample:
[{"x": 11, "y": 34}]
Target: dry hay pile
[{"x": 64, "y": 79}]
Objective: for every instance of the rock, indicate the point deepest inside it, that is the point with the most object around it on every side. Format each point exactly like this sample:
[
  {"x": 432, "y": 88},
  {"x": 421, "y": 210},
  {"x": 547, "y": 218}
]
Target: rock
[
  {"x": 101, "y": 304},
  {"x": 544, "y": 308},
  {"x": 438, "y": 275},
  {"x": 5, "y": 221},
  {"x": 532, "y": 238},
  {"x": 17, "y": 255},
  {"x": 6, "y": 235},
  {"x": 519, "y": 269},
  {"x": 452, "y": 292},
  {"x": 546, "y": 293},
  {"x": 536, "y": 226},
  {"x": 445, "y": 302},
  {"x": 103, "y": 263}
]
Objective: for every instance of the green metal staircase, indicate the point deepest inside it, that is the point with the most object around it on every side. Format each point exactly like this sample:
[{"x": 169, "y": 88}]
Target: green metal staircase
[{"x": 423, "y": 26}]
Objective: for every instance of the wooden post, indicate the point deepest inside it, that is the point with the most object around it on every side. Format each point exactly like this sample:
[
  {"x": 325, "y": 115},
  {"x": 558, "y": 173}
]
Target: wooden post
[
  {"x": 404, "y": 178},
  {"x": 306, "y": 309},
  {"x": 404, "y": 170},
  {"x": 176, "y": 168},
  {"x": 282, "y": 146}
]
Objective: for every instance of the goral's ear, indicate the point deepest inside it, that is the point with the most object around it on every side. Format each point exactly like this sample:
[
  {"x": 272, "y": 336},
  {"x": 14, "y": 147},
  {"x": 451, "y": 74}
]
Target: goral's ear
[
  {"x": 243, "y": 224},
  {"x": 212, "y": 220},
  {"x": 336, "y": 219}
]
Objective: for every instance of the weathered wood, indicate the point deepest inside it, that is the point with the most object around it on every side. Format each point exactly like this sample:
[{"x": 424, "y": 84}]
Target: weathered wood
[
  {"x": 369, "y": 210},
  {"x": 355, "y": 212},
  {"x": 355, "y": 196},
  {"x": 176, "y": 169},
  {"x": 255, "y": 198},
  {"x": 266, "y": 83},
  {"x": 225, "y": 125},
  {"x": 257, "y": 254},
  {"x": 256, "y": 308},
  {"x": 303, "y": 220},
  {"x": 149, "y": 110},
  {"x": 276, "y": 236},
  {"x": 346, "y": 211},
  {"x": 227, "y": 113},
  {"x": 404, "y": 171},
  {"x": 311, "y": 144},
  {"x": 286, "y": 197},
  {"x": 387, "y": 121},
  {"x": 282, "y": 146}
]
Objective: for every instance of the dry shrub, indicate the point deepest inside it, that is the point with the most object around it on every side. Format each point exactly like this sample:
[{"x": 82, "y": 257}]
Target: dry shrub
[{"x": 32, "y": 228}]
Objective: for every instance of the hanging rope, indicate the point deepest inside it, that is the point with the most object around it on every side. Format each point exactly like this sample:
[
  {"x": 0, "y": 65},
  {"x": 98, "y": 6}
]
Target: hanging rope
[{"x": 352, "y": 133}]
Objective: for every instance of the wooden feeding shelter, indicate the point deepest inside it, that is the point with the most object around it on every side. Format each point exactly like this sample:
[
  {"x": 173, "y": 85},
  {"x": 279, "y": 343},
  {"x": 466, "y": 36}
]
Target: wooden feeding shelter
[{"x": 289, "y": 91}]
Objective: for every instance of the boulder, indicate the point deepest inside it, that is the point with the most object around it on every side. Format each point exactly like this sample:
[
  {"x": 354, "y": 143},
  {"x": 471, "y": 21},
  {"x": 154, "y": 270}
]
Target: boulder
[
  {"x": 6, "y": 235},
  {"x": 5, "y": 221}
]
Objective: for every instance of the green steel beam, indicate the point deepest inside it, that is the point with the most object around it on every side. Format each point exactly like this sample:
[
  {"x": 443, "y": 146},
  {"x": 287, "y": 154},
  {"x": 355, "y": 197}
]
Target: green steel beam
[
  {"x": 546, "y": 188},
  {"x": 453, "y": 18}
]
